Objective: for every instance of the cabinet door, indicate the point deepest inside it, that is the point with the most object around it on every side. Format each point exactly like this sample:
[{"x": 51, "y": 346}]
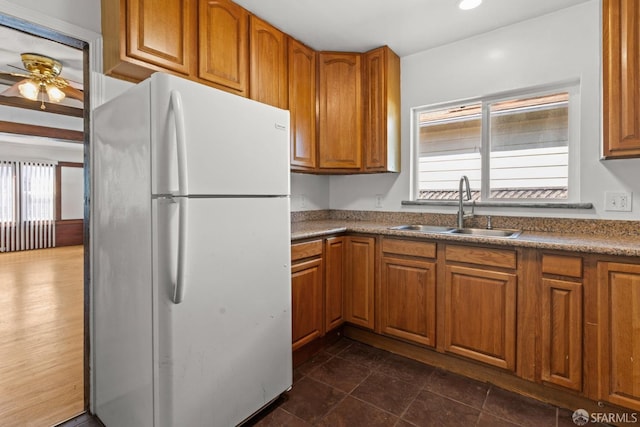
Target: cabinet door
[
  {"x": 159, "y": 33},
  {"x": 359, "y": 284},
  {"x": 302, "y": 106},
  {"x": 223, "y": 45},
  {"x": 619, "y": 320},
  {"x": 621, "y": 85},
  {"x": 334, "y": 278},
  {"x": 407, "y": 299},
  {"x": 562, "y": 333},
  {"x": 340, "y": 115},
  {"x": 480, "y": 320},
  {"x": 268, "y": 64},
  {"x": 306, "y": 301},
  {"x": 381, "y": 83}
]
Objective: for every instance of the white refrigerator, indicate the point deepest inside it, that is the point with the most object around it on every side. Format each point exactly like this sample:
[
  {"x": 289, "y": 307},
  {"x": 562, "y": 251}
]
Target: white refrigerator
[{"x": 191, "y": 302}]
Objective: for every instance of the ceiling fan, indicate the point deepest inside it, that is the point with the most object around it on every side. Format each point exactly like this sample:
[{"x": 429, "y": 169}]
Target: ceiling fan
[{"x": 43, "y": 81}]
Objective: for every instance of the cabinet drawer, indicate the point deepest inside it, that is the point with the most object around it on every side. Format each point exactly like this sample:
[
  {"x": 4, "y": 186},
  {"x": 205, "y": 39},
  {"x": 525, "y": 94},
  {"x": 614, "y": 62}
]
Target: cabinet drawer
[
  {"x": 409, "y": 247},
  {"x": 306, "y": 250},
  {"x": 562, "y": 265},
  {"x": 481, "y": 256}
]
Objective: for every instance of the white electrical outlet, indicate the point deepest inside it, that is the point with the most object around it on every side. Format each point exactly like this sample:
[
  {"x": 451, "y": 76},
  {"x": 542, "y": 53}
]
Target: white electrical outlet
[
  {"x": 617, "y": 201},
  {"x": 379, "y": 199},
  {"x": 303, "y": 201}
]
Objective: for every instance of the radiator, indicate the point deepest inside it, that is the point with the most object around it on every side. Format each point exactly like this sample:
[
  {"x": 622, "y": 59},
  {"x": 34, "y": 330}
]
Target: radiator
[{"x": 27, "y": 235}]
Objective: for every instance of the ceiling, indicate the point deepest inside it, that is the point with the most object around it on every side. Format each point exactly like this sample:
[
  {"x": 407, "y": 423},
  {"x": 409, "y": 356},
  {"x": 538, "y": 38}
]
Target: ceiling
[{"x": 407, "y": 26}]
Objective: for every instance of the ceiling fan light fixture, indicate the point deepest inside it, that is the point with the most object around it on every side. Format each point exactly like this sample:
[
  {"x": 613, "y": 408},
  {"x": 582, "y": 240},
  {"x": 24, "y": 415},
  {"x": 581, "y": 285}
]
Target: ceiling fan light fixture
[
  {"x": 469, "y": 4},
  {"x": 29, "y": 90},
  {"x": 55, "y": 94}
]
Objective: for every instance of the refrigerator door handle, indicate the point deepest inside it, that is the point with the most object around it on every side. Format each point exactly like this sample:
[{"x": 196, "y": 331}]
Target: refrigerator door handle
[
  {"x": 181, "y": 142},
  {"x": 183, "y": 210}
]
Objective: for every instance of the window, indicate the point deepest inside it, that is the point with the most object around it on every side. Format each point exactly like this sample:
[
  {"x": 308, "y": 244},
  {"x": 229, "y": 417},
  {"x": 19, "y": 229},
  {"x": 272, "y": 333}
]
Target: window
[
  {"x": 27, "y": 205},
  {"x": 512, "y": 148},
  {"x": 37, "y": 191},
  {"x": 7, "y": 192}
]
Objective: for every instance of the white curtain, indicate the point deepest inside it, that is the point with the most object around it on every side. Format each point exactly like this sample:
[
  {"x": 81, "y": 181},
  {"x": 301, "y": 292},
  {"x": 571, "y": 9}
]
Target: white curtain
[{"x": 27, "y": 205}]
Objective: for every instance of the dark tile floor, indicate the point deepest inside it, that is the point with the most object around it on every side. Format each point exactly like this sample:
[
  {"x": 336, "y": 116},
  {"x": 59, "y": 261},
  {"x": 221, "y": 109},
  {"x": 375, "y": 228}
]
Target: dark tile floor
[
  {"x": 351, "y": 384},
  {"x": 354, "y": 385},
  {"x": 84, "y": 420}
]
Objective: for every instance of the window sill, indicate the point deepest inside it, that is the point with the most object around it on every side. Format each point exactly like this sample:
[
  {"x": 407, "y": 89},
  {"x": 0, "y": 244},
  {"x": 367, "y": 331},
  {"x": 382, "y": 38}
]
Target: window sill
[{"x": 548, "y": 205}]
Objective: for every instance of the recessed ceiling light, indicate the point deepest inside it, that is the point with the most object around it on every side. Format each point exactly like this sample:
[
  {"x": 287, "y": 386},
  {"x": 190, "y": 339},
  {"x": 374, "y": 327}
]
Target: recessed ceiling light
[{"x": 469, "y": 4}]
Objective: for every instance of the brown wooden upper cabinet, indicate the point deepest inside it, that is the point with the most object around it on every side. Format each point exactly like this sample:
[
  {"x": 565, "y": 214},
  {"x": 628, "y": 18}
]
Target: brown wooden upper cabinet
[
  {"x": 223, "y": 45},
  {"x": 141, "y": 37},
  {"x": 302, "y": 106},
  {"x": 340, "y": 118},
  {"x": 344, "y": 106},
  {"x": 359, "y": 112},
  {"x": 268, "y": 64},
  {"x": 621, "y": 68},
  {"x": 381, "y": 69}
]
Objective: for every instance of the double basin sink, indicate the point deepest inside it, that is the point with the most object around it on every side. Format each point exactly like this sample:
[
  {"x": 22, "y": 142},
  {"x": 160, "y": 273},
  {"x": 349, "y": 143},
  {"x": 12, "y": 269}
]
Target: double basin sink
[{"x": 439, "y": 229}]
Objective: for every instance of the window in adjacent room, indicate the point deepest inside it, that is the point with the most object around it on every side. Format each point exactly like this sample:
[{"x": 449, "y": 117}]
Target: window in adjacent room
[
  {"x": 27, "y": 205},
  {"x": 518, "y": 147}
]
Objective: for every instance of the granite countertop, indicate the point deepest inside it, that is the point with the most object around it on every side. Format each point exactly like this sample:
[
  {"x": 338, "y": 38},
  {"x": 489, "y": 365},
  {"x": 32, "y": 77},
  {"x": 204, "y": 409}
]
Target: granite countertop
[{"x": 587, "y": 243}]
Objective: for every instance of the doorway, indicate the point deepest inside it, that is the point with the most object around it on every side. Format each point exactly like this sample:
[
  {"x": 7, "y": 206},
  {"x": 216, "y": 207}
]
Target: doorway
[{"x": 45, "y": 291}]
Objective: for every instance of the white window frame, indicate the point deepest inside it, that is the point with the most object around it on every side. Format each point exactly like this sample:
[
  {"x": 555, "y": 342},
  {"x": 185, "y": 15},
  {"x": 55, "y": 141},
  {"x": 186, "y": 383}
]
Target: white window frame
[{"x": 572, "y": 87}]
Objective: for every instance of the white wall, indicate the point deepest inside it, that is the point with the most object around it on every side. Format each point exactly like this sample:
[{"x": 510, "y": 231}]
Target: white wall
[
  {"x": 71, "y": 193},
  {"x": 309, "y": 192},
  {"x": 555, "y": 47},
  {"x": 78, "y": 12}
]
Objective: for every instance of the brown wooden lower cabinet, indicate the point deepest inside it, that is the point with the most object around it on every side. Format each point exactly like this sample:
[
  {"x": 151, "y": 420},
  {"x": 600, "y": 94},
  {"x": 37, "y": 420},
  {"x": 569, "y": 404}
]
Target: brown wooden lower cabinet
[
  {"x": 334, "y": 255},
  {"x": 407, "y": 291},
  {"x": 578, "y": 315},
  {"x": 480, "y": 314},
  {"x": 619, "y": 324},
  {"x": 360, "y": 281},
  {"x": 306, "y": 293},
  {"x": 561, "y": 318}
]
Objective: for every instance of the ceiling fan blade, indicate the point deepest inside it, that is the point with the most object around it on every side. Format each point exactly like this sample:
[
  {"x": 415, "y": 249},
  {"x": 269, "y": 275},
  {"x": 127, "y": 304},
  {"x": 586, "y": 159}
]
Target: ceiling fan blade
[
  {"x": 10, "y": 74},
  {"x": 18, "y": 68},
  {"x": 12, "y": 90},
  {"x": 74, "y": 93},
  {"x": 75, "y": 84}
]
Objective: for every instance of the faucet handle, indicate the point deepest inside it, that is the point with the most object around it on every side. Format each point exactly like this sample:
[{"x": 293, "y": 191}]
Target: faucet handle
[{"x": 489, "y": 226}]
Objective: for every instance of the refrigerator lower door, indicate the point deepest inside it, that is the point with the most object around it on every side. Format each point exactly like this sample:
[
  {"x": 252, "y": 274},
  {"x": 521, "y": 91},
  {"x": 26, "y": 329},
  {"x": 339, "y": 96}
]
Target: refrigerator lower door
[
  {"x": 121, "y": 261},
  {"x": 224, "y": 351}
]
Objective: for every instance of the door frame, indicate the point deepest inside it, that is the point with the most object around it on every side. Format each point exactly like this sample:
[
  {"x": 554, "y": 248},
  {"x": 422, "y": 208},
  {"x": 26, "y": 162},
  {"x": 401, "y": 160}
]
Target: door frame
[{"x": 43, "y": 25}]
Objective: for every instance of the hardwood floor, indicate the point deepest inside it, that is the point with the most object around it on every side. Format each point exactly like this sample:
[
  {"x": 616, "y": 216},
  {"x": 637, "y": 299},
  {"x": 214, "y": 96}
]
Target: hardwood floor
[{"x": 41, "y": 336}]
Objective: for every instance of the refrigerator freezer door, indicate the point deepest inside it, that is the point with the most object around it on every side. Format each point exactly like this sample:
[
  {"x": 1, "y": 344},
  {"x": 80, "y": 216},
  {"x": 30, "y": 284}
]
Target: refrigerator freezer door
[
  {"x": 224, "y": 351},
  {"x": 234, "y": 146}
]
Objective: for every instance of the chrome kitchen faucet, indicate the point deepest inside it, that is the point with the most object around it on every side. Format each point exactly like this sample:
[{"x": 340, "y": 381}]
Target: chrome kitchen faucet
[{"x": 461, "y": 215}]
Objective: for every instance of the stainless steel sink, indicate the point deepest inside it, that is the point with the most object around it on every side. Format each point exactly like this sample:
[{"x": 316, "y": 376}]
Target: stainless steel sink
[
  {"x": 495, "y": 232},
  {"x": 424, "y": 228}
]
